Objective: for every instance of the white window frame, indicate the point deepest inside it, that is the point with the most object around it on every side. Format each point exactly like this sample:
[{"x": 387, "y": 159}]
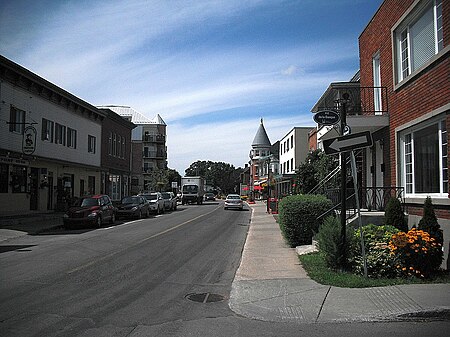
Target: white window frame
[
  {"x": 376, "y": 66},
  {"x": 410, "y": 191},
  {"x": 92, "y": 144},
  {"x": 404, "y": 71}
]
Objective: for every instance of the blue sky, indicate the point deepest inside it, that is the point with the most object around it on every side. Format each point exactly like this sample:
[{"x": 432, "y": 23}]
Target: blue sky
[{"x": 211, "y": 69}]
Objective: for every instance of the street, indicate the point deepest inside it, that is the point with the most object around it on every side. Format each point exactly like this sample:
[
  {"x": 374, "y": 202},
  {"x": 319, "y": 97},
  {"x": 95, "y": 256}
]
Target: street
[{"x": 168, "y": 275}]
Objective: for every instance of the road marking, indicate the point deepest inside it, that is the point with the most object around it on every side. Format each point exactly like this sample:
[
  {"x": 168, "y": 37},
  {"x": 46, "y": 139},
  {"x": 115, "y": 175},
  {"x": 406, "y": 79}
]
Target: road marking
[{"x": 104, "y": 257}]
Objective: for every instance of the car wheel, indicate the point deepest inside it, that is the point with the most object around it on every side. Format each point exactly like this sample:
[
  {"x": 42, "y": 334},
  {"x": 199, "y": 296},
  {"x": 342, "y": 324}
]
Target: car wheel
[
  {"x": 113, "y": 218},
  {"x": 98, "y": 222}
]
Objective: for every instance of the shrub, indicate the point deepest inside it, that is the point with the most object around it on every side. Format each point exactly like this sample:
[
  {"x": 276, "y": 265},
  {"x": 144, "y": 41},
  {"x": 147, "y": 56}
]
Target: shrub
[
  {"x": 298, "y": 217},
  {"x": 416, "y": 253},
  {"x": 380, "y": 262},
  {"x": 429, "y": 222},
  {"x": 329, "y": 239},
  {"x": 394, "y": 215}
]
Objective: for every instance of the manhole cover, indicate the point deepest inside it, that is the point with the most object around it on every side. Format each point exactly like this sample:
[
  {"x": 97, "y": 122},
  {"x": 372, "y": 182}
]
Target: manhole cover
[{"x": 205, "y": 297}]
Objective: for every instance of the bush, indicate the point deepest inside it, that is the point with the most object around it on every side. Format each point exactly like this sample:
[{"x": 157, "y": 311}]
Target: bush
[
  {"x": 329, "y": 239},
  {"x": 379, "y": 259},
  {"x": 429, "y": 222},
  {"x": 394, "y": 215},
  {"x": 298, "y": 217},
  {"x": 416, "y": 253}
]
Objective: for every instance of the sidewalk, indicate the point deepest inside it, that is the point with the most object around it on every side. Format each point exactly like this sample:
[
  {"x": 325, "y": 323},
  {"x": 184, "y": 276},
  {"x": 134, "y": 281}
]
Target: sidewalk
[
  {"x": 16, "y": 225},
  {"x": 271, "y": 285}
]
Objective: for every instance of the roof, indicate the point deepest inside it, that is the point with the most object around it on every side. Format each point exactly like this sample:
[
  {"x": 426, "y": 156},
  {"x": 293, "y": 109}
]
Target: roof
[
  {"x": 261, "y": 138},
  {"x": 136, "y": 117}
]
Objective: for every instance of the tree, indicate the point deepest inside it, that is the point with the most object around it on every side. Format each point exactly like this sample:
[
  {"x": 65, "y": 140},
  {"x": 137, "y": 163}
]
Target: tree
[
  {"x": 429, "y": 222},
  {"x": 394, "y": 215},
  {"x": 217, "y": 174},
  {"x": 161, "y": 180},
  {"x": 315, "y": 168}
]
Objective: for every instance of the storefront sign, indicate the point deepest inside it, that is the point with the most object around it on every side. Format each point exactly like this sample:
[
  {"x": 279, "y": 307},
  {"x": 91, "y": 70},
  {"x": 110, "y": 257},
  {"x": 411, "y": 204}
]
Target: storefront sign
[
  {"x": 14, "y": 161},
  {"x": 29, "y": 140}
]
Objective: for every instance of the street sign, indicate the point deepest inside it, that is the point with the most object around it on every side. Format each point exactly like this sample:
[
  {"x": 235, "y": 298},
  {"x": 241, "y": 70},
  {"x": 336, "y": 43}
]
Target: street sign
[
  {"x": 347, "y": 143},
  {"x": 326, "y": 117}
]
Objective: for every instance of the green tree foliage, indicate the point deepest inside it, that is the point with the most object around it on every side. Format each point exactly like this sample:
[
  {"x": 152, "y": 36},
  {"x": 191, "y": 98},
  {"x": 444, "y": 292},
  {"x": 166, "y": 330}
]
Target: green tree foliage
[
  {"x": 217, "y": 174},
  {"x": 315, "y": 168},
  {"x": 394, "y": 216},
  {"x": 161, "y": 180}
]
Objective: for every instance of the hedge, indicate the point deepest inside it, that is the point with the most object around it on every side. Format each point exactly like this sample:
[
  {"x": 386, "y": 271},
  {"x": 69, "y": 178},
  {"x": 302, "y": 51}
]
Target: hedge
[{"x": 298, "y": 217}]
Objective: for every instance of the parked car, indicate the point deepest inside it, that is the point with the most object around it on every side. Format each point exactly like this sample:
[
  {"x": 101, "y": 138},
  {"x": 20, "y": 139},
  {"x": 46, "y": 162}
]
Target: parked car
[
  {"x": 156, "y": 202},
  {"x": 170, "y": 201},
  {"x": 210, "y": 196},
  {"x": 92, "y": 210},
  {"x": 233, "y": 201},
  {"x": 133, "y": 206}
]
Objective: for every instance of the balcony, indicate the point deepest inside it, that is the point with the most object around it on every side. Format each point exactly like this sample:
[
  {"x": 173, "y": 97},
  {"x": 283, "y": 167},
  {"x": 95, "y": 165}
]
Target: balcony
[
  {"x": 159, "y": 139},
  {"x": 154, "y": 155},
  {"x": 367, "y": 107}
]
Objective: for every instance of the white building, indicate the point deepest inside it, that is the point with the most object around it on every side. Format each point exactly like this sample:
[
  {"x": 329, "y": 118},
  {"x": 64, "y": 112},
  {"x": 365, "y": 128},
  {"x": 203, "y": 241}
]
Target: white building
[{"x": 294, "y": 147}]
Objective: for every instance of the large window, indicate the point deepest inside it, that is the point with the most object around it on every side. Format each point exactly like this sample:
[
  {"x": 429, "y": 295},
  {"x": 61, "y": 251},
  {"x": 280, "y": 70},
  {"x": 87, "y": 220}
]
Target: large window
[
  {"x": 377, "y": 83},
  {"x": 424, "y": 159},
  {"x": 47, "y": 130},
  {"x": 4, "y": 177},
  {"x": 60, "y": 134},
  {"x": 91, "y": 144},
  {"x": 19, "y": 179},
  {"x": 72, "y": 138},
  {"x": 16, "y": 120},
  {"x": 418, "y": 38}
]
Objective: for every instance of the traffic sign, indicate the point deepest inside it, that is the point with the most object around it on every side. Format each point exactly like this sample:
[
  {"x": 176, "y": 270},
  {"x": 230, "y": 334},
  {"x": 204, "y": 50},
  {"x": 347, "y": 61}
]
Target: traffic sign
[
  {"x": 348, "y": 142},
  {"x": 326, "y": 117}
]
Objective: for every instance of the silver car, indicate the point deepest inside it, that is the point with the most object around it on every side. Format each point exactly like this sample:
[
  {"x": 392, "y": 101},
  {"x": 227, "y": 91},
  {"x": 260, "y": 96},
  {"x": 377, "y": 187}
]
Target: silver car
[
  {"x": 170, "y": 201},
  {"x": 156, "y": 202},
  {"x": 233, "y": 201}
]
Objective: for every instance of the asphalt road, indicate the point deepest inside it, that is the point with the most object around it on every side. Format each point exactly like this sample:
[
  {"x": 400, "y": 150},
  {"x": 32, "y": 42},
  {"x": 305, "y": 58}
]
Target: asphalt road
[{"x": 134, "y": 279}]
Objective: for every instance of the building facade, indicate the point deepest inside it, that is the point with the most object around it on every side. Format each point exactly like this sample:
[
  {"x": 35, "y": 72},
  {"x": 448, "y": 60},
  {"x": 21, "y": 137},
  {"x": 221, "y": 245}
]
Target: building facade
[
  {"x": 405, "y": 48},
  {"x": 49, "y": 143},
  {"x": 149, "y": 150},
  {"x": 116, "y": 155}
]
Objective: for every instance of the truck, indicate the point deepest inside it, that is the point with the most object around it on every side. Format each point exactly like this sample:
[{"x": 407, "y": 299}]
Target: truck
[{"x": 192, "y": 190}]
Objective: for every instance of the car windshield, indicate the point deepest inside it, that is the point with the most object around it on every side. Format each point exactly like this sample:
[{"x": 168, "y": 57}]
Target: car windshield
[
  {"x": 130, "y": 200},
  {"x": 166, "y": 195},
  {"x": 86, "y": 202},
  {"x": 151, "y": 197},
  {"x": 190, "y": 189},
  {"x": 233, "y": 197}
]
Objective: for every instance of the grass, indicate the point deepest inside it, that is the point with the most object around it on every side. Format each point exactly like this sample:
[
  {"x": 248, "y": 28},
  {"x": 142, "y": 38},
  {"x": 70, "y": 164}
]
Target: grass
[{"x": 317, "y": 270}]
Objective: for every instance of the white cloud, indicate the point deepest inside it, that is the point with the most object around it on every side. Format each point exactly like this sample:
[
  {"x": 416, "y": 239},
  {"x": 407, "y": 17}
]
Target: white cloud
[{"x": 289, "y": 70}]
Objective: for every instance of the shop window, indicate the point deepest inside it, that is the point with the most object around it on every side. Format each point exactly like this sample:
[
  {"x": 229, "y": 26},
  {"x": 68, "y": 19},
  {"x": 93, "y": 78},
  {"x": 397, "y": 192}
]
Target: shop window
[
  {"x": 19, "y": 179},
  {"x": 4, "y": 176}
]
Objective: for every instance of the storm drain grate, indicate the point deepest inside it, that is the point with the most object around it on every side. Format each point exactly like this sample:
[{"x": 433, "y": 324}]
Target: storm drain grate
[{"x": 205, "y": 297}]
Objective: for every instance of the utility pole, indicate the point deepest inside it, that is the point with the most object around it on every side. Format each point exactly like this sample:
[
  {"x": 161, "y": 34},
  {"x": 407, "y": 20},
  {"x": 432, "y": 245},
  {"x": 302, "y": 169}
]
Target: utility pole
[{"x": 343, "y": 113}]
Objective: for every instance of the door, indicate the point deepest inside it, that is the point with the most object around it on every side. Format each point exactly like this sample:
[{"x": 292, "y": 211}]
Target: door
[{"x": 50, "y": 191}]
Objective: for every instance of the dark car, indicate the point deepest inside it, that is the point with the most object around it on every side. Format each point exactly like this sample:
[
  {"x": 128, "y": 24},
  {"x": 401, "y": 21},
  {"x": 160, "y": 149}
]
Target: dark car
[
  {"x": 133, "y": 207},
  {"x": 170, "y": 201},
  {"x": 92, "y": 210},
  {"x": 210, "y": 196}
]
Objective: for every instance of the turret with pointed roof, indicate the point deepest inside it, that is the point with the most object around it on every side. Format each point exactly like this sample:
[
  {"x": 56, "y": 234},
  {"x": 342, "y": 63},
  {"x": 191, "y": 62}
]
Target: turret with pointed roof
[{"x": 261, "y": 139}]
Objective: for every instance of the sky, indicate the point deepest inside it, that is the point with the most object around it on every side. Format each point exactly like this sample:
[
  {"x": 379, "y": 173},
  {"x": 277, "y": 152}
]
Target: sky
[{"x": 211, "y": 69}]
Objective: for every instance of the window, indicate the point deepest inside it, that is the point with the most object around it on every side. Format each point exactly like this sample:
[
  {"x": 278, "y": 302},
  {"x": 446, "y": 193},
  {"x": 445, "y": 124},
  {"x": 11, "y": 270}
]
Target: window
[
  {"x": 16, "y": 120},
  {"x": 60, "y": 134},
  {"x": 72, "y": 138},
  {"x": 123, "y": 147},
  {"x": 91, "y": 184},
  {"x": 377, "y": 83},
  {"x": 418, "y": 38},
  {"x": 4, "y": 177},
  {"x": 114, "y": 145},
  {"x": 19, "y": 179},
  {"x": 292, "y": 164},
  {"x": 287, "y": 146},
  {"x": 47, "y": 130},
  {"x": 91, "y": 144},
  {"x": 292, "y": 141},
  {"x": 110, "y": 144},
  {"x": 424, "y": 159}
]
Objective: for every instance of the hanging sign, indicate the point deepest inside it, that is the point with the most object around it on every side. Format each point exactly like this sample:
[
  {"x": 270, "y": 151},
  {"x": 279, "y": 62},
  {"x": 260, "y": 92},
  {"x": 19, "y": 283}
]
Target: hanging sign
[{"x": 29, "y": 140}]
